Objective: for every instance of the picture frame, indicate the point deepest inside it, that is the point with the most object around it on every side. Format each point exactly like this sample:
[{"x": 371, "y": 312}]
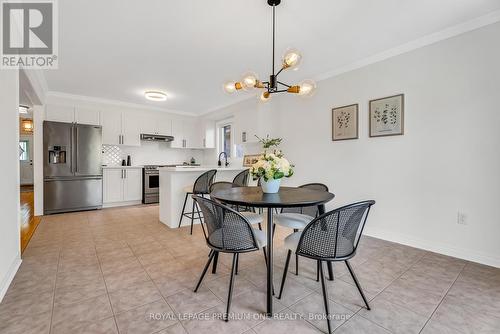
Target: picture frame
[
  {"x": 250, "y": 159},
  {"x": 345, "y": 124},
  {"x": 386, "y": 116}
]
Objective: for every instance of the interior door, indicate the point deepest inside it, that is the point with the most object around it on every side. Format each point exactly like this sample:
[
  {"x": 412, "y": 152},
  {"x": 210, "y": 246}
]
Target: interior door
[
  {"x": 88, "y": 150},
  {"x": 26, "y": 160}
]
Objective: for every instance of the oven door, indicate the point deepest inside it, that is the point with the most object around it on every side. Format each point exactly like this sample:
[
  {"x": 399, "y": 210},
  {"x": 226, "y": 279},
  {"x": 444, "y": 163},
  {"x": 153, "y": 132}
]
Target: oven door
[{"x": 151, "y": 182}]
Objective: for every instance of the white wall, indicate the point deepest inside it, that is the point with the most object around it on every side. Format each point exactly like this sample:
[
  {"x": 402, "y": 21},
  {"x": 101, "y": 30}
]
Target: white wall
[
  {"x": 154, "y": 153},
  {"x": 447, "y": 161},
  {"x": 9, "y": 179}
]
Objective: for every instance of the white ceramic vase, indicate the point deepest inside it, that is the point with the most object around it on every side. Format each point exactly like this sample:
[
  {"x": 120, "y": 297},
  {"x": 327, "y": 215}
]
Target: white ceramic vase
[{"x": 270, "y": 187}]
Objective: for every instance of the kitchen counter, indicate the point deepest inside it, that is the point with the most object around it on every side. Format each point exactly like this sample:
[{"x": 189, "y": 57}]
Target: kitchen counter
[
  {"x": 200, "y": 168},
  {"x": 174, "y": 180},
  {"x": 122, "y": 167}
]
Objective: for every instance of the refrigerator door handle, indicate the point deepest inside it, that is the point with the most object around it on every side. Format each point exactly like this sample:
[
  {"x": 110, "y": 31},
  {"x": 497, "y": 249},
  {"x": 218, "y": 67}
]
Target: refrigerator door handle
[
  {"x": 76, "y": 149},
  {"x": 71, "y": 138}
]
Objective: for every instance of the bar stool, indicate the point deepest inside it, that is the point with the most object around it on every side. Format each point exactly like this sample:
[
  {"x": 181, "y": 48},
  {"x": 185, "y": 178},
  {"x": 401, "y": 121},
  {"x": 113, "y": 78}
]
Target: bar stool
[
  {"x": 201, "y": 187},
  {"x": 333, "y": 236}
]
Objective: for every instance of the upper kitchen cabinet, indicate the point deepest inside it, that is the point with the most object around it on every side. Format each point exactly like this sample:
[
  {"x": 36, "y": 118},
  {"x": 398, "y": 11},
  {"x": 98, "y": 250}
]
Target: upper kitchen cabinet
[
  {"x": 208, "y": 128},
  {"x": 156, "y": 124},
  {"x": 120, "y": 128},
  {"x": 187, "y": 134},
  {"x": 66, "y": 114},
  {"x": 131, "y": 132},
  {"x": 87, "y": 116},
  {"x": 60, "y": 113}
]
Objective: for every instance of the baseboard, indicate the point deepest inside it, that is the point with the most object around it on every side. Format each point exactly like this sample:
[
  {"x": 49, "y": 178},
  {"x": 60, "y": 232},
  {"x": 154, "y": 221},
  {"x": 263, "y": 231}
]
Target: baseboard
[
  {"x": 9, "y": 277},
  {"x": 461, "y": 253},
  {"x": 118, "y": 204}
]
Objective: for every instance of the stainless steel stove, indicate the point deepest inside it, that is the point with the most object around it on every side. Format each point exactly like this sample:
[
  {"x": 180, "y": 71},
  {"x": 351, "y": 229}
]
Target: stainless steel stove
[{"x": 151, "y": 183}]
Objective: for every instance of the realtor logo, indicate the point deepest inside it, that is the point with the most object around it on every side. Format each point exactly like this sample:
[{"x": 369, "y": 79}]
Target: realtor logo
[{"x": 28, "y": 35}]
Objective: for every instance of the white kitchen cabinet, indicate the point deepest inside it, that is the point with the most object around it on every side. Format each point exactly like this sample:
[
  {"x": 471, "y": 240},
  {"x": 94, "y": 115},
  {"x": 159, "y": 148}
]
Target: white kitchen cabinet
[
  {"x": 112, "y": 185},
  {"x": 177, "y": 132},
  {"x": 87, "y": 116},
  {"x": 193, "y": 134},
  {"x": 156, "y": 124},
  {"x": 122, "y": 186},
  {"x": 120, "y": 128},
  {"x": 132, "y": 185},
  {"x": 59, "y": 113},
  {"x": 131, "y": 132},
  {"x": 111, "y": 121},
  {"x": 208, "y": 128}
]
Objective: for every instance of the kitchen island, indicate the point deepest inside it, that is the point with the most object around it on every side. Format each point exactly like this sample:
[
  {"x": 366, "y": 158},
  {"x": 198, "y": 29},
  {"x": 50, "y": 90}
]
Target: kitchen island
[{"x": 174, "y": 180}]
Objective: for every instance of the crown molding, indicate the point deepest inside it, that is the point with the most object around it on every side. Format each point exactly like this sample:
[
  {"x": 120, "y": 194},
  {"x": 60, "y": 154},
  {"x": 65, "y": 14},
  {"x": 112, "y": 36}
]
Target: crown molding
[
  {"x": 421, "y": 42},
  {"x": 110, "y": 102}
]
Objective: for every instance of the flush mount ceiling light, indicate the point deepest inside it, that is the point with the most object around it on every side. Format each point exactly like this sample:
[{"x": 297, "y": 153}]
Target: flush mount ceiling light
[
  {"x": 157, "y": 96},
  {"x": 290, "y": 60},
  {"x": 23, "y": 109}
]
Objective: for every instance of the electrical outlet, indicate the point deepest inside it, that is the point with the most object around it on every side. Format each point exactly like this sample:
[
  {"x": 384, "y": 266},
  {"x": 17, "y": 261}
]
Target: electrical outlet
[{"x": 461, "y": 218}]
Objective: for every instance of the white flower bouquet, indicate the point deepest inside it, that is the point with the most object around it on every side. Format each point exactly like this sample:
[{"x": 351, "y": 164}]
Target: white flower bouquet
[{"x": 271, "y": 167}]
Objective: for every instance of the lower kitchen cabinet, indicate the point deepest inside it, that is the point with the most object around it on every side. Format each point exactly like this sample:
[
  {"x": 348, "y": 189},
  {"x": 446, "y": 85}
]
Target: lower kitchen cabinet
[{"x": 122, "y": 186}]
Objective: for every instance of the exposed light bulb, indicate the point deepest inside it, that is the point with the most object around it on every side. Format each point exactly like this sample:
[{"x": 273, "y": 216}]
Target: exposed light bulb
[
  {"x": 249, "y": 80},
  {"x": 307, "y": 88},
  {"x": 292, "y": 59},
  {"x": 265, "y": 96},
  {"x": 229, "y": 87}
]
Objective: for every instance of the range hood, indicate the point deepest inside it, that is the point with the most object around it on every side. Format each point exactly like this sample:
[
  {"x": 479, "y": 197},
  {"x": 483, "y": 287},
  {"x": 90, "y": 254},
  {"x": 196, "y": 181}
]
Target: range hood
[{"x": 149, "y": 137}]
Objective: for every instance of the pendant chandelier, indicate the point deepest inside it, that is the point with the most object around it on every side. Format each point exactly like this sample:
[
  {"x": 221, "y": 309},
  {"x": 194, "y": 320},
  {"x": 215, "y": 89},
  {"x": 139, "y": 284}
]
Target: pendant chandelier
[{"x": 291, "y": 60}]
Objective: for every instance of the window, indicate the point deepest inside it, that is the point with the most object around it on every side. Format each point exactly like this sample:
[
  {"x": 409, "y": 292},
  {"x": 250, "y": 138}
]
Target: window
[
  {"x": 226, "y": 139},
  {"x": 24, "y": 154}
]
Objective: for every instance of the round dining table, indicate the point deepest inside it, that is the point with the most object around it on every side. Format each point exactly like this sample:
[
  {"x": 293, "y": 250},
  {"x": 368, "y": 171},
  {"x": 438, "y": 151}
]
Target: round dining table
[{"x": 287, "y": 197}]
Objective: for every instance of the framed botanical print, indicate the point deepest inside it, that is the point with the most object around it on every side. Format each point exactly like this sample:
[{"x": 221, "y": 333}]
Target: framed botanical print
[
  {"x": 345, "y": 122},
  {"x": 387, "y": 116}
]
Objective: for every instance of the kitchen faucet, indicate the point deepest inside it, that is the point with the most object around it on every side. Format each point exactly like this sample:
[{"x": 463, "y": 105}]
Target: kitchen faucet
[{"x": 219, "y": 163}]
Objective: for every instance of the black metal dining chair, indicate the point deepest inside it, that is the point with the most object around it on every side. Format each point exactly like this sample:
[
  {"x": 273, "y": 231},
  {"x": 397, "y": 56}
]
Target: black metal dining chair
[
  {"x": 200, "y": 187},
  {"x": 252, "y": 217},
  {"x": 227, "y": 232},
  {"x": 242, "y": 178},
  {"x": 298, "y": 218},
  {"x": 333, "y": 236}
]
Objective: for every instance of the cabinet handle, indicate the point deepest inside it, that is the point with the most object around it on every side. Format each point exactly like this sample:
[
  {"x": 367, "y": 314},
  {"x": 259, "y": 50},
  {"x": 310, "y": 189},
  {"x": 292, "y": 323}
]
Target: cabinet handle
[{"x": 125, "y": 171}]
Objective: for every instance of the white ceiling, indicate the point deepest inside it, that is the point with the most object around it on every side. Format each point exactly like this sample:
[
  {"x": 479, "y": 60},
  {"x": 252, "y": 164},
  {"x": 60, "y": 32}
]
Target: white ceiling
[{"x": 116, "y": 49}]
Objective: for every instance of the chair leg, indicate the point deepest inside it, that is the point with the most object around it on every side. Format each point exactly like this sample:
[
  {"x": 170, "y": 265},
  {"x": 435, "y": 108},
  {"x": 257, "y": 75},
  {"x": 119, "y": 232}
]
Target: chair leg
[
  {"x": 317, "y": 271},
  {"x": 260, "y": 226},
  {"x": 325, "y": 296},
  {"x": 296, "y": 258},
  {"x": 283, "y": 279},
  {"x": 216, "y": 258},
  {"x": 357, "y": 285},
  {"x": 274, "y": 228},
  {"x": 204, "y": 270},
  {"x": 237, "y": 264},
  {"x": 231, "y": 284},
  {"x": 330, "y": 270},
  {"x": 265, "y": 255},
  {"x": 201, "y": 221},
  {"x": 183, "y": 208},
  {"x": 192, "y": 217}
]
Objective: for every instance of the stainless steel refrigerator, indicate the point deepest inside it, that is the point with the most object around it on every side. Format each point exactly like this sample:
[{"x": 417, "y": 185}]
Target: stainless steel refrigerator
[{"x": 72, "y": 167}]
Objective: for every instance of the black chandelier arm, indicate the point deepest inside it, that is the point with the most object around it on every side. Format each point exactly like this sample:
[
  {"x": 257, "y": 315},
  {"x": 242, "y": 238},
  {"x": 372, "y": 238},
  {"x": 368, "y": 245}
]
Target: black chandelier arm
[
  {"x": 278, "y": 91},
  {"x": 284, "y": 84},
  {"x": 274, "y": 31}
]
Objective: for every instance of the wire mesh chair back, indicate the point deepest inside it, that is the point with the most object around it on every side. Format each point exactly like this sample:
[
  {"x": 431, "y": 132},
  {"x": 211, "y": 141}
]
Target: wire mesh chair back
[
  {"x": 227, "y": 230},
  {"x": 241, "y": 180},
  {"x": 335, "y": 234},
  {"x": 307, "y": 210},
  {"x": 221, "y": 185},
  {"x": 204, "y": 181}
]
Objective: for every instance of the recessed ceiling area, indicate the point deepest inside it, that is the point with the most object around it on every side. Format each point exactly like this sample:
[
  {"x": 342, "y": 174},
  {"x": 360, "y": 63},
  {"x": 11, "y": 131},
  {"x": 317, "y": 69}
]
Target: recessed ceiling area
[{"x": 117, "y": 50}]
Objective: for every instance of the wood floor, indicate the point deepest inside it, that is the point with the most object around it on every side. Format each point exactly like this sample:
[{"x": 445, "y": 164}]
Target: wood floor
[{"x": 29, "y": 221}]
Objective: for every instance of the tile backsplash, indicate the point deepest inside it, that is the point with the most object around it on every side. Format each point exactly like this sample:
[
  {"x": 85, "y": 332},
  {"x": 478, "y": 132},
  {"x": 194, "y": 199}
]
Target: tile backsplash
[{"x": 149, "y": 153}]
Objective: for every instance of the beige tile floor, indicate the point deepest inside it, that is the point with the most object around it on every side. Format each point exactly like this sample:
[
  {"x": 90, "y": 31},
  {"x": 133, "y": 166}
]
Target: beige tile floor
[{"x": 120, "y": 270}]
